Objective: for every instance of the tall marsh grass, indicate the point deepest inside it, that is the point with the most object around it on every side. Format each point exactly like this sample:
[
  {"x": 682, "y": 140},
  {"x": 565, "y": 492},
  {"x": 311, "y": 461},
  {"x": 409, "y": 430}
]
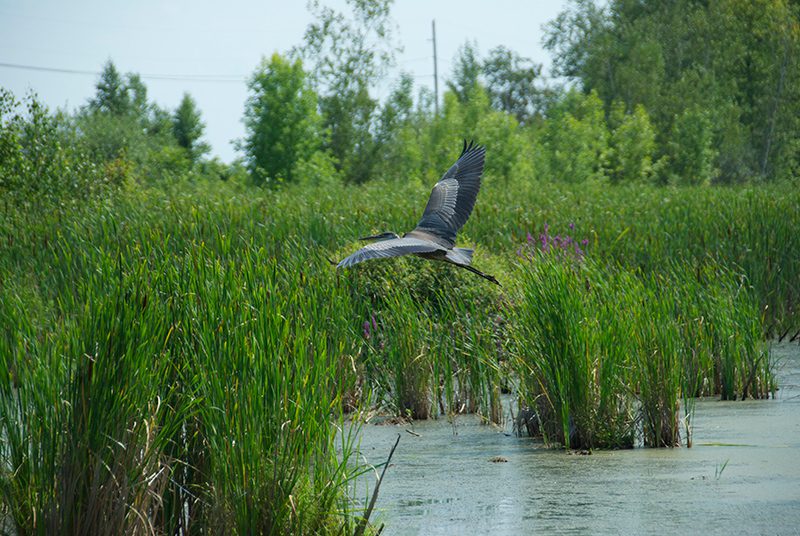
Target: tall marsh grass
[
  {"x": 179, "y": 359},
  {"x": 183, "y": 386},
  {"x": 605, "y": 354}
]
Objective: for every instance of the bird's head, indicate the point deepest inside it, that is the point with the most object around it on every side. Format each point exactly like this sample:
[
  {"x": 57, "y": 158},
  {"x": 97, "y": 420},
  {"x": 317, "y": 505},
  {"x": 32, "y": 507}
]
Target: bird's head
[{"x": 383, "y": 236}]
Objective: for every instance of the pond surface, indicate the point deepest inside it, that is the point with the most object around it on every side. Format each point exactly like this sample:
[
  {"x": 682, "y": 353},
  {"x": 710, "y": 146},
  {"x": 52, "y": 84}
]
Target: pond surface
[{"x": 742, "y": 476}]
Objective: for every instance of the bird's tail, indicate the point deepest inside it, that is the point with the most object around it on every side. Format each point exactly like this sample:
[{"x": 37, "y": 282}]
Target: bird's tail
[{"x": 460, "y": 255}]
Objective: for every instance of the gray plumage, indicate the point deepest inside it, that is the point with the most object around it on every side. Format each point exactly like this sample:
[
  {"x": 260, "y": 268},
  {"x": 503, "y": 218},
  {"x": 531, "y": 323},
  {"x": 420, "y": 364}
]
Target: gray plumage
[{"x": 448, "y": 209}]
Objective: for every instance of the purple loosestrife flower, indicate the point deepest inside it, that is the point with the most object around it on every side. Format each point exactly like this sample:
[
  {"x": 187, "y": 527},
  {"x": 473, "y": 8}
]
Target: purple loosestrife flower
[
  {"x": 564, "y": 247},
  {"x": 366, "y": 330}
]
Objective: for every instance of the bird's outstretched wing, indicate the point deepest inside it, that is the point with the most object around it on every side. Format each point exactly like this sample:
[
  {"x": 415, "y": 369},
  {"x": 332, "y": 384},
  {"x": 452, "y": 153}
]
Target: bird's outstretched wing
[
  {"x": 453, "y": 197},
  {"x": 389, "y": 248}
]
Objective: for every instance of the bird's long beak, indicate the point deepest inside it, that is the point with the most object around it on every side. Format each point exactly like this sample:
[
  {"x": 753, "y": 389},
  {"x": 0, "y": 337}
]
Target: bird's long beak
[{"x": 375, "y": 237}]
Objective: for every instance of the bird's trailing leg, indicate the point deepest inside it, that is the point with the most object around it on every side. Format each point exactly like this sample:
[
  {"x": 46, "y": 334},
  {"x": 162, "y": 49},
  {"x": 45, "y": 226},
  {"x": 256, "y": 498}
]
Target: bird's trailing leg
[{"x": 483, "y": 275}]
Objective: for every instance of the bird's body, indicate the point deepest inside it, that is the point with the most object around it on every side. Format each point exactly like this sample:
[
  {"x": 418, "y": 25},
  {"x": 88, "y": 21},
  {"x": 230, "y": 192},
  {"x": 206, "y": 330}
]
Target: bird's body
[{"x": 448, "y": 209}]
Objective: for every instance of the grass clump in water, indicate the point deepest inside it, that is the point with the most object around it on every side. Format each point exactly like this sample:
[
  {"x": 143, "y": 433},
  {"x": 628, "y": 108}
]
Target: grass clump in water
[
  {"x": 430, "y": 338},
  {"x": 605, "y": 354}
]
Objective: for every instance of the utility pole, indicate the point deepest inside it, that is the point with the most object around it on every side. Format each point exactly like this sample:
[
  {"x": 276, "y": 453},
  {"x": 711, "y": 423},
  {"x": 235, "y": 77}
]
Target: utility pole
[{"x": 435, "y": 71}]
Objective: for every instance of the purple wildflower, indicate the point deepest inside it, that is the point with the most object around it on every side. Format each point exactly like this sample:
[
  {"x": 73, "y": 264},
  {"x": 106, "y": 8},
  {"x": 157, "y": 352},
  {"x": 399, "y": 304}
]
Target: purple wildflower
[
  {"x": 366, "y": 329},
  {"x": 562, "y": 246}
]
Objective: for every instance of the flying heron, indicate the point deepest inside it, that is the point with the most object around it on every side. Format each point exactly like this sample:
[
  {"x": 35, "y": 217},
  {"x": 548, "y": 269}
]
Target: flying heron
[{"x": 447, "y": 211}]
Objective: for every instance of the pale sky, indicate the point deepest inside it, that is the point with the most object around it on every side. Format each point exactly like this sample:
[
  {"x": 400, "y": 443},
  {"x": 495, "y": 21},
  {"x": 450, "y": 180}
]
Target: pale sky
[{"x": 174, "y": 44}]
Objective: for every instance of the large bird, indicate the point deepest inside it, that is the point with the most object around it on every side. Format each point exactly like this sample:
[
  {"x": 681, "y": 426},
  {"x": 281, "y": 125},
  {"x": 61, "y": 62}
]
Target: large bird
[{"x": 448, "y": 209}]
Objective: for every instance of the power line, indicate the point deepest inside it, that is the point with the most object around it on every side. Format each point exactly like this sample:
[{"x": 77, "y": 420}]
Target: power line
[
  {"x": 214, "y": 78},
  {"x": 412, "y": 60}
]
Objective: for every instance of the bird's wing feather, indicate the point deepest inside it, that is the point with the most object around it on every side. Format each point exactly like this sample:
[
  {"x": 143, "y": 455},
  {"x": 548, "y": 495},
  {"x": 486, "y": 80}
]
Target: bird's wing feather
[
  {"x": 389, "y": 248},
  {"x": 453, "y": 197}
]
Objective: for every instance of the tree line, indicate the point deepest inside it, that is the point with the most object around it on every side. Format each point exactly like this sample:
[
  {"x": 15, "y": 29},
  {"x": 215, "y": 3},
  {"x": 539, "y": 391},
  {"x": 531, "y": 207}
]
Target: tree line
[
  {"x": 117, "y": 138},
  {"x": 679, "y": 92}
]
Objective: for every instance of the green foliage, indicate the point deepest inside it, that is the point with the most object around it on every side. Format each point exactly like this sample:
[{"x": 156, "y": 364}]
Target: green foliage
[
  {"x": 283, "y": 128},
  {"x": 575, "y": 138},
  {"x": 510, "y": 82},
  {"x": 399, "y": 128},
  {"x": 348, "y": 117},
  {"x": 632, "y": 146},
  {"x": 41, "y": 160},
  {"x": 574, "y": 35},
  {"x": 397, "y": 111},
  {"x": 466, "y": 72},
  {"x": 317, "y": 170},
  {"x": 348, "y": 55},
  {"x": 120, "y": 96},
  {"x": 691, "y": 152},
  {"x": 179, "y": 353},
  {"x": 662, "y": 63},
  {"x": 113, "y": 95},
  {"x": 120, "y": 124},
  {"x": 737, "y": 62},
  {"x": 349, "y": 52},
  {"x": 188, "y": 128}
]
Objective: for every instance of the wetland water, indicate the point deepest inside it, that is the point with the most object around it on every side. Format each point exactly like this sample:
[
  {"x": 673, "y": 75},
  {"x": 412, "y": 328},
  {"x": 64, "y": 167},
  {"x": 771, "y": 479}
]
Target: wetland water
[{"x": 443, "y": 482}]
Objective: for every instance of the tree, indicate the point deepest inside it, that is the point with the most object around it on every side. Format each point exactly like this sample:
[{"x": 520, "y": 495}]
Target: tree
[
  {"x": 348, "y": 55},
  {"x": 758, "y": 44},
  {"x": 397, "y": 110},
  {"x": 42, "y": 163},
  {"x": 691, "y": 154},
  {"x": 121, "y": 127},
  {"x": 396, "y": 135},
  {"x": 578, "y": 39},
  {"x": 576, "y": 138},
  {"x": 112, "y": 93},
  {"x": 122, "y": 96},
  {"x": 735, "y": 61},
  {"x": 187, "y": 128},
  {"x": 137, "y": 97},
  {"x": 466, "y": 71},
  {"x": 632, "y": 145},
  {"x": 281, "y": 120},
  {"x": 510, "y": 83}
]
